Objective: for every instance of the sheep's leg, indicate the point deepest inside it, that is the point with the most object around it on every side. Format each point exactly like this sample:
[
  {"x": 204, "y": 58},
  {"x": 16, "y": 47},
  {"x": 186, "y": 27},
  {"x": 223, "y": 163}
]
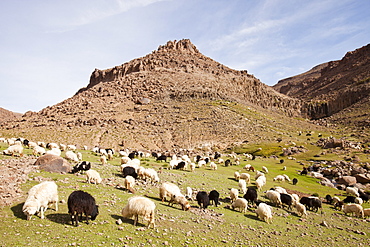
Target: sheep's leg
[
  {"x": 136, "y": 219},
  {"x": 42, "y": 212}
]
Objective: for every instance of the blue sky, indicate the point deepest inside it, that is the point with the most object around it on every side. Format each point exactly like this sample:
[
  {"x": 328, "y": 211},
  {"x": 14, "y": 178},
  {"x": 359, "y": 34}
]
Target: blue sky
[{"x": 49, "y": 48}]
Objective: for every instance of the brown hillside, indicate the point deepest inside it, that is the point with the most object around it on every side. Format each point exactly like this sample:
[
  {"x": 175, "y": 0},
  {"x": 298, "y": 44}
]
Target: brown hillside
[
  {"x": 6, "y": 115},
  {"x": 332, "y": 87},
  {"x": 173, "y": 97}
]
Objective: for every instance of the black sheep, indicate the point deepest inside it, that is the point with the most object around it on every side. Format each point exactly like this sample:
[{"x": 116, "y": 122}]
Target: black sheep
[
  {"x": 202, "y": 199},
  {"x": 286, "y": 199},
  {"x": 294, "y": 181},
  {"x": 133, "y": 154},
  {"x": 82, "y": 166},
  {"x": 180, "y": 165},
  {"x": 214, "y": 196},
  {"x": 329, "y": 199},
  {"x": 251, "y": 195},
  {"x": 312, "y": 203},
  {"x": 129, "y": 170},
  {"x": 304, "y": 171},
  {"x": 80, "y": 202},
  {"x": 227, "y": 162},
  {"x": 217, "y": 156},
  {"x": 349, "y": 199},
  {"x": 162, "y": 157},
  {"x": 364, "y": 196}
]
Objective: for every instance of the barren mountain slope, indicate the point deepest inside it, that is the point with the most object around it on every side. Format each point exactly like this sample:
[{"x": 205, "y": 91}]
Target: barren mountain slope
[
  {"x": 174, "y": 96},
  {"x": 336, "y": 86}
]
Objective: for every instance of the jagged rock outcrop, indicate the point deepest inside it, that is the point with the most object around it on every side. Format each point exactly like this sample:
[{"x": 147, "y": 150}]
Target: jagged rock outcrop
[{"x": 331, "y": 87}]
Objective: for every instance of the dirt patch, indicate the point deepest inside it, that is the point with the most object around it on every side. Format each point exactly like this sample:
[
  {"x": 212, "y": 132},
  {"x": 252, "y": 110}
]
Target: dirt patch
[{"x": 14, "y": 172}]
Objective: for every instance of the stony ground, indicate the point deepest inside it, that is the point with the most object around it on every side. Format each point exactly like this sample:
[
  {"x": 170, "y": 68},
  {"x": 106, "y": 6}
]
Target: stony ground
[{"x": 14, "y": 172}]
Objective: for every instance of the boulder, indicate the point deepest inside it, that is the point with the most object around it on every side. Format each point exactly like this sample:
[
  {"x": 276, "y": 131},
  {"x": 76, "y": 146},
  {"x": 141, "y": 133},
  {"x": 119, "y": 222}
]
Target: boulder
[
  {"x": 362, "y": 178},
  {"x": 53, "y": 163},
  {"x": 347, "y": 180}
]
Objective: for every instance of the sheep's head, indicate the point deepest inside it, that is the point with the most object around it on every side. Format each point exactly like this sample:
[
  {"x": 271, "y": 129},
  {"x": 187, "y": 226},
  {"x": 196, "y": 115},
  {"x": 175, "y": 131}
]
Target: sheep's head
[{"x": 30, "y": 208}]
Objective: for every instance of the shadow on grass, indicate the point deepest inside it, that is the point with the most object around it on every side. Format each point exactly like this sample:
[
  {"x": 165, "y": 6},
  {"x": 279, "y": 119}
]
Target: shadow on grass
[
  {"x": 59, "y": 218},
  {"x": 128, "y": 221},
  {"x": 252, "y": 216},
  {"x": 18, "y": 212}
]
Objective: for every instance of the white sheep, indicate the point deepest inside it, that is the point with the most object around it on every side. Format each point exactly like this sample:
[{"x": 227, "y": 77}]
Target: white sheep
[
  {"x": 259, "y": 174},
  {"x": 70, "y": 155},
  {"x": 279, "y": 178},
  {"x": 274, "y": 197},
  {"x": 52, "y": 145},
  {"x": 335, "y": 200},
  {"x": 54, "y": 151},
  {"x": 264, "y": 213},
  {"x": 247, "y": 167},
  {"x": 138, "y": 205},
  {"x": 14, "y": 149},
  {"x": 39, "y": 198},
  {"x": 280, "y": 190},
  {"x": 189, "y": 193},
  {"x": 79, "y": 156},
  {"x": 130, "y": 183},
  {"x": 41, "y": 144},
  {"x": 358, "y": 200},
  {"x": 172, "y": 191},
  {"x": 286, "y": 177},
  {"x": 260, "y": 182},
  {"x": 352, "y": 191},
  {"x": 93, "y": 176},
  {"x": 242, "y": 186},
  {"x": 103, "y": 160},
  {"x": 63, "y": 147},
  {"x": 353, "y": 208},
  {"x": 301, "y": 209},
  {"x": 192, "y": 166},
  {"x": 366, "y": 212},
  {"x": 295, "y": 197},
  {"x": 265, "y": 170},
  {"x": 151, "y": 175},
  {"x": 32, "y": 144},
  {"x": 125, "y": 160},
  {"x": 201, "y": 163},
  {"x": 241, "y": 204},
  {"x": 246, "y": 177},
  {"x": 173, "y": 163},
  {"x": 234, "y": 194},
  {"x": 213, "y": 166},
  {"x": 38, "y": 151},
  {"x": 237, "y": 175}
]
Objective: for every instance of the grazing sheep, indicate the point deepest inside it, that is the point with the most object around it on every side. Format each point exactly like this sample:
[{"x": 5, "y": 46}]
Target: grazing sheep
[
  {"x": 14, "y": 149},
  {"x": 151, "y": 175},
  {"x": 358, "y": 200},
  {"x": 79, "y": 156},
  {"x": 295, "y": 181},
  {"x": 129, "y": 170},
  {"x": 279, "y": 178},
  {"x": 335, "y": 199},
  {"x": 103, "y": 160},
  {"x": 52, "y": 145},
  {"x": 263, "y": 212},
  {"x": 352, "y": 191},
  {"x": 138, "y": 205},
  {"x": 274, "y": 197},
  {"x": 246, "y": 177},
  {"x": 93, "y": 176},
  {"x": 242, "y": 186},
  {"x": 234, "y": 194},
  {"x": 80, "y": 202},
  {"x": 71, "y": 147},
  {"x": 312, "y": 203},
  {"x": 39, "y": 197},
  {"x": 189, "y": 193},
  {"x": 70, "y": 155},
  {"x": 192, "y": 166},
  {"x": 349, "y": 199},
  {"x": 213, "y": 166},
  {"x": 265, "y": 170},
  {"x": 354, "y": 208},
  {"x": 279, "y": 189},
  {"x": 295, "y": 198},
  {"x": 125, "y": 160},
  {"x": 202, "y": 199},
  {"x": 201, "y": 163},
  {"x": 82, "y": 166},
  {"x": 37, "y": 150},
  {"x": 54, "y": 151},
  {"x": 241, "y": 204},
  {"x": 287, "y": 200},
  {"x": 172, "y": 191},
  {"x": 237, "y": 176},
  {"x": 130, "y": 183},
  {"x": 286, "y": 177},
  {"x": 214, "y": 196},
  {"x": 258, "y": 174},
  {"x": 366, "y": 212},
  {"x": 301, "y": 209},
  {"x": 364, "y": 196},
  {"x": 251, "y": 195},
  {"x": 260, "y": 182}
]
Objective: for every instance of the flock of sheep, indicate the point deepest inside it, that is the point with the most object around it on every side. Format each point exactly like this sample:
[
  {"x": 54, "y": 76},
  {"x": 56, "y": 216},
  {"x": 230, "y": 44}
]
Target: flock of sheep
[{"x": 82, "y": 203}]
